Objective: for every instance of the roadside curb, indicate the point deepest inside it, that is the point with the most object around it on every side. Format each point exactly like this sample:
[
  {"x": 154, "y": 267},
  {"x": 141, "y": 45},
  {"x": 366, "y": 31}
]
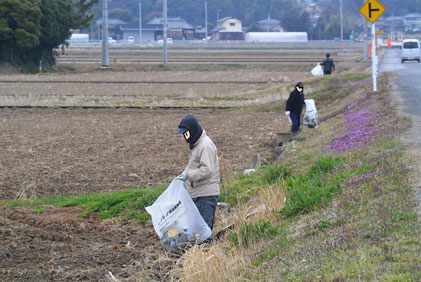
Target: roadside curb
[{"x": 412, "y": 150}]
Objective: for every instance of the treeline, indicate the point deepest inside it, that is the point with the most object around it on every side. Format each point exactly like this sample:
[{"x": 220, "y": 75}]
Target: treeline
[
  {"x": 328, "y": 25},
  {"x": 193, "y": 11},
  {"x": 291, "y": 13},
  {"x": 31, "y": 29}
]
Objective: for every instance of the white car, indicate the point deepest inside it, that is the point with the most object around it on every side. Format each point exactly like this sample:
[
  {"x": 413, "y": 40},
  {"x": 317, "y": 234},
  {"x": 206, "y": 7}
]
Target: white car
[
  {"x": 410, "y": 50},
  {"x": 161, "y": 41},
  {"x": 111, "y": 40},
  {"x": 130, "y": 39}
]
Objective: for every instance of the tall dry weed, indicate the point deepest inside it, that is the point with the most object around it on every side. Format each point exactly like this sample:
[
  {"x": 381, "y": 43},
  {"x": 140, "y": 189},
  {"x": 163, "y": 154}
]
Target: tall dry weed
[
  {"x": 210, "y": 264},
  {"x": 224, "y": 172},
  {"x": 273, "y": 197},
  {"x": 221, "y": 262}
]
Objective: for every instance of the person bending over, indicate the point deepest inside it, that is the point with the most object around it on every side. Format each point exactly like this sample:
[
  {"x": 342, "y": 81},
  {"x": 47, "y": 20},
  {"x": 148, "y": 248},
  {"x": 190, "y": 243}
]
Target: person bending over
[{"x": 201, "y": 175}]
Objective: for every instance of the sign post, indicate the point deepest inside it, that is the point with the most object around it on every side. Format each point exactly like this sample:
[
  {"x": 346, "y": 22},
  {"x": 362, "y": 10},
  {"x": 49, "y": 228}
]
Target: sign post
[
  {"x": 372, "y": 10},
  {"x": 374, "y": 56}
]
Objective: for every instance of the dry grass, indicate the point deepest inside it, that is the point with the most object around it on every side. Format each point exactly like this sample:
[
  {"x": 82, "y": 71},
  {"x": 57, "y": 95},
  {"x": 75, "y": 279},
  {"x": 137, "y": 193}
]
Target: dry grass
[
  {"x": 210, "y": 264},
  {"x": 274, "y": 199},
  {"x": 221, "y": 261}
]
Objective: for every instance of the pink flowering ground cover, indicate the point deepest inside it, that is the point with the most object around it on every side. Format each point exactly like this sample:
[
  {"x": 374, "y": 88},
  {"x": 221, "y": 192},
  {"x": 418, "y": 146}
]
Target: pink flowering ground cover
[
  {"x": 356, "y": 132},
  {"x": 364, "y": 120},
  {"x": 366, "y": 229}
]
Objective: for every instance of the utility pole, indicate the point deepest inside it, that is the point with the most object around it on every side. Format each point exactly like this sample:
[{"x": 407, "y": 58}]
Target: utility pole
[
  {"x": 267, "y": 23},
  {"x": 206, "y": 20},
  {"x": 365, "y": 59},
  {"x": 105, "y": 33},
  {"x": 140, "y": 22},
  {"x": 393, "y": 24},
  {"x": 165, "y": 32},
  {"x": 217, "y": 14},
  {"x": 342, "y": 24}
]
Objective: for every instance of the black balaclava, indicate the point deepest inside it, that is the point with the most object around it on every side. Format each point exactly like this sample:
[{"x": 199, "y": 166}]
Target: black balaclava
[
  {"x": 191, "y": 123},
  {"x": 327, "y": 55},
  {"x": 299, "y": 84}
]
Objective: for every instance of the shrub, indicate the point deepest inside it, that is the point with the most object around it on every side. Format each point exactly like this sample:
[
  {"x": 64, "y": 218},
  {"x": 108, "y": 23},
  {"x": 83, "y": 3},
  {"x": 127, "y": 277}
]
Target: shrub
[
  {"x": 252, "y": 232},
  {"x": 276, "y": 173},
  {"x": 315, "y": 188},
  {"x": 325, "y": 164}
]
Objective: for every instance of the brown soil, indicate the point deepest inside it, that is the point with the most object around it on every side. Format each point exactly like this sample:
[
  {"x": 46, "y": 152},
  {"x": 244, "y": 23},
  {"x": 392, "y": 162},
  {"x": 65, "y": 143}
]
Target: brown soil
[
  {"x": 59, "y": 246},
  {"x": 60, "y": 152},
  {"x": 157, "y": 88},
  {"x": 54, "y": 152}
]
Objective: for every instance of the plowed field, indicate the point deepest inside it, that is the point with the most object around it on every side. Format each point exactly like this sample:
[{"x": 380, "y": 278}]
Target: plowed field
[
  {"x": 47, "y": 152},
  {"x": 57, "y": 152},
  {"x": 60, "y": 152},
  {"x": 59, "y": 246}
]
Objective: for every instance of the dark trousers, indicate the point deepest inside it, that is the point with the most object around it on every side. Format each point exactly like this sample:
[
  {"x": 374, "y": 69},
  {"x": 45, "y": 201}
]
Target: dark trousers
[
  {"x": 207, "y": 207},
  {"x": 295, "y": 119},
  {"x": 326, "y": 72}
]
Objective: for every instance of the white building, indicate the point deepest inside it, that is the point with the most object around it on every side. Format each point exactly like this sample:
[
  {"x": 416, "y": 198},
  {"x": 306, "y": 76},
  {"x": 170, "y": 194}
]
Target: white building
[
  {"x": 276, "y": 37},
  {"x": 412, "y": 22}
]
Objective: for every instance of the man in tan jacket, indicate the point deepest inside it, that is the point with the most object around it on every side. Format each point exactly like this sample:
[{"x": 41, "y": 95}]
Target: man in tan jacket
[{"x": 201, "y": 175}]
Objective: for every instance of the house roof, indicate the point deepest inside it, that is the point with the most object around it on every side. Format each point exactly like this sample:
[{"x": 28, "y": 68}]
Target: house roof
[
  {"x": 135, "y": 27},
  {"x": 111, "y": 21},
  {"x": 173, "y": 22},
  {"x": 413, "y": 15},
  {"x": 394, "y": 19},
  {"x": 224, "y": 19},
  {"x": 269, "y": 21}
]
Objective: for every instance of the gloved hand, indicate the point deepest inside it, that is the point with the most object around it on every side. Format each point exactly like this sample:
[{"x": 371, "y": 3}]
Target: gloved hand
[
  {"x": 287, "y": 113},
  {"x": 182, "y": 177}
]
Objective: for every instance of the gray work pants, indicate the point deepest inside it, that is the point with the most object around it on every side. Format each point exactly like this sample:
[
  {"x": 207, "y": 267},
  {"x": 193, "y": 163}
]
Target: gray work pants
[{"x": 207, "y": 207}]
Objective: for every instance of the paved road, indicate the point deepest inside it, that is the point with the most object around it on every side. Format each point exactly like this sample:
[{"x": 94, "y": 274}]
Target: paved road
[{"x": 408, "y": 92}]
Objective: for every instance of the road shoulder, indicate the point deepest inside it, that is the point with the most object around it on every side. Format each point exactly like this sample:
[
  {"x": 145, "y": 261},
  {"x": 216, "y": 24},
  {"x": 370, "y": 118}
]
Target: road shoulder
[{"x": 413, "y": 149}]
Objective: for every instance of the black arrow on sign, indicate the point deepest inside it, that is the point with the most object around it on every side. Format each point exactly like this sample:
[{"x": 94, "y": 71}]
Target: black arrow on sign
[{"x": 371, "y": 10}]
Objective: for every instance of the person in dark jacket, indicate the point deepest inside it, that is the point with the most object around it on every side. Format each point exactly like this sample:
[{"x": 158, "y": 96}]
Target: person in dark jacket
[
  {"x": 294, "y": 106},
  {"x": 328, "y": 65}
]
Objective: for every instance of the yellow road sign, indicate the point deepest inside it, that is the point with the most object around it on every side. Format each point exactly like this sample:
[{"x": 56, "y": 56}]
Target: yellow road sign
[
  {"x": 372, "y": 10},
  {"x": 379, "y": 32}
]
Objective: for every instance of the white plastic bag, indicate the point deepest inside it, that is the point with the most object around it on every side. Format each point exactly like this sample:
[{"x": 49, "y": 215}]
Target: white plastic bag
[
  {"x": 310, "y": 118},
  {"x": 176, "y": 218},
  {"x": 310, "y": 106},
  {"x": 317, "y": 71},
  {"x": 289, "y": 120}
]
